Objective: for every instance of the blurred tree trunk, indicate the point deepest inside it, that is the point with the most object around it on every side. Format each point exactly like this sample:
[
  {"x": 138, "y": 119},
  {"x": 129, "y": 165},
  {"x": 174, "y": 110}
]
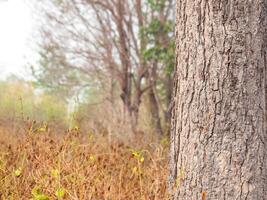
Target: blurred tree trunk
[
  {"x": 153, "y": 102},
  {"x": 167, "y": 113},
  {"x": 126, "y": 83},
  {"x": 154, "y": 109},
  {"x": 218, "y": 131}
]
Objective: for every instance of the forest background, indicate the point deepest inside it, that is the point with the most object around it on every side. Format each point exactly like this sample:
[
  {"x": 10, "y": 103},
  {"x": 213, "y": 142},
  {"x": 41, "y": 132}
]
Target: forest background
[{"x": 94, "y": 111}]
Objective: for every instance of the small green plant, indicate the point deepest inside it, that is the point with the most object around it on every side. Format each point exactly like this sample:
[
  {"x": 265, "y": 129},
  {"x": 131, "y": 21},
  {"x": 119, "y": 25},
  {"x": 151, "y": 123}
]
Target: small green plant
[
  {"x": 55, "y": 173},
  {"x": 138, "y": 155},
  {"x": 38, "y": 195},
  {"x": 18, "y": 172},
  {"x": 60, "y": 193}
]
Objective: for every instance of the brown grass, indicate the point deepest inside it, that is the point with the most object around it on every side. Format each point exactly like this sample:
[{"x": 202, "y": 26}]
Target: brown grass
[{"x": 73, "y": 165}]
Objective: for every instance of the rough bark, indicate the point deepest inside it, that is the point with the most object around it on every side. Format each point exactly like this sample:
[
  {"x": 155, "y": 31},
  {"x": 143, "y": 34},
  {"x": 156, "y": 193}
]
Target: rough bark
[{"x": 218, "y": 129}]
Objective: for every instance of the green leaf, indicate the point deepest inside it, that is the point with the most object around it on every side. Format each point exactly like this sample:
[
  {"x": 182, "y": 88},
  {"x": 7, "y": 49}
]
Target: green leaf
[
  {"x": 60, "y": 193},
  {"x": 55, "y": 173},
  {"x": 18, "y": 172},
  {"x": 38, "y": 195}
]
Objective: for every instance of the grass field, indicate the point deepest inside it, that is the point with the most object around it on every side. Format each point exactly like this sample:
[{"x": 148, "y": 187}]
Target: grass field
[{"x": 43, "y": 165}]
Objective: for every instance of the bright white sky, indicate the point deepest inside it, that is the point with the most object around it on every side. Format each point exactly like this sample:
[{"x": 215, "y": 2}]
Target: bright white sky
[{"x": 16, "y": 27}]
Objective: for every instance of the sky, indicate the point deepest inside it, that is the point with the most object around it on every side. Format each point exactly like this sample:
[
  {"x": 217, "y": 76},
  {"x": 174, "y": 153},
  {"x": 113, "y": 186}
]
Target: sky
[{"x": 16, "y": 30}]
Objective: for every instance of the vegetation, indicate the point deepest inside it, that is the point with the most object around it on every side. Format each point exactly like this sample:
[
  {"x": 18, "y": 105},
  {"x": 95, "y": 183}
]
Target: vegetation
[
  {"x": 42, "y": 165},
  {"x": 20, "y": 102},
  {"x": 95, "y": 120},
  {"x": 92, "y": 122},
  {"x": 49, "y": 151}
]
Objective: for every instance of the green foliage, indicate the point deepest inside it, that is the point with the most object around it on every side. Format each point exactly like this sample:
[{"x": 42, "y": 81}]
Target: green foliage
[
  {"x": 55, "y": 74},
  {"x": 159, "y": 48},
  {"x": 60, "y": 193},
  {"x": 38, "y": 195},
  {"x": 16, "y": 101},
  {"x": 159, "y": 37},
  {"x": 156, "y": 5},
  {"x": 18, "y": 172},
  {"x": 21, "y": 101},
  {"x": 51, "y": 108}
]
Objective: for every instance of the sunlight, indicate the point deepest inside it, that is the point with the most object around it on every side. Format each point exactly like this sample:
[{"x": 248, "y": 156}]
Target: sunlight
[{"x": 15, "y": 32}]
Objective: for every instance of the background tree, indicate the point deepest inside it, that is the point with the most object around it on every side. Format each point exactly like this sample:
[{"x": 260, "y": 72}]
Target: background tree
[
  {"x": 218, "y": 136},
  {"x": 124, "y": 47},
  {"x": 158, "y": 54}
]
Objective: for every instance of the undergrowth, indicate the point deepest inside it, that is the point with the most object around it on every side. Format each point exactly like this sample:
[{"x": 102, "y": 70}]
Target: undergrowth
[{"x": 74, "y": 165}]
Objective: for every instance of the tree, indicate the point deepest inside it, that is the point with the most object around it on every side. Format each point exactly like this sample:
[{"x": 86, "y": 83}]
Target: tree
[
  {"x": 218, "y": 125},
  {"x": 114, "y": 41},
  {"x": 158, "y": 53}
]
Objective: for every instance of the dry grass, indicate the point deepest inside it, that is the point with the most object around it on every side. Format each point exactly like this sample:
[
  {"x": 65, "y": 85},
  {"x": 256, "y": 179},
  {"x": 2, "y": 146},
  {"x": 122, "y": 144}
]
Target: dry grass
[{"x": 43, "y": 166}]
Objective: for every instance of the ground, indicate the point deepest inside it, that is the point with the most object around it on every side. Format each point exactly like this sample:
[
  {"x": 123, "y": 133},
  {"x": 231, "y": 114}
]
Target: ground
[{"x": 43, "y": 165}]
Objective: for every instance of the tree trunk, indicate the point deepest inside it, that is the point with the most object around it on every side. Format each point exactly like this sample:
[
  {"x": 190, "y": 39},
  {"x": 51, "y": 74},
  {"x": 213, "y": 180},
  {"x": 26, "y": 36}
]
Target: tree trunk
[
  {"x": 124, "y": 54},
  {"x": 167, "y": 112},
  {"x": 218, "y": 131},
  {"x": 154, "y": 110},
  {"x": 153, "y": 103}
]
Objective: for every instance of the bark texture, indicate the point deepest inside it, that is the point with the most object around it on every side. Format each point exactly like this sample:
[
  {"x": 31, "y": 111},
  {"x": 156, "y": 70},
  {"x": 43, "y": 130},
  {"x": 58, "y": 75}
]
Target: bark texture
[{"x": 218, "y": 125}]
